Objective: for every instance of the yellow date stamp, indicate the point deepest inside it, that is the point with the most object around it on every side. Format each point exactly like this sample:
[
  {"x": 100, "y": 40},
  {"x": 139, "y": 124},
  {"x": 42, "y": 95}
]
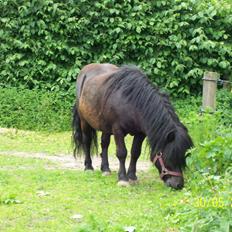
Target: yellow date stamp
[{"x": 212, "y": 202}]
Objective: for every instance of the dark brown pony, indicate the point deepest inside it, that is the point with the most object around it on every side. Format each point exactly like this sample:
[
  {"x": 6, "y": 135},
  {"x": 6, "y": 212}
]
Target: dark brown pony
[{"x": 120, "y": 101}]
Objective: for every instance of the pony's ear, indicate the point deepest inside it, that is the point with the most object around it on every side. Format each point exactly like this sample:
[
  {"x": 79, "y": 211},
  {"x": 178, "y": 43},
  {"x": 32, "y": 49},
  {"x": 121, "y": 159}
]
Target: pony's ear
[{"x": 170, "y": 136}]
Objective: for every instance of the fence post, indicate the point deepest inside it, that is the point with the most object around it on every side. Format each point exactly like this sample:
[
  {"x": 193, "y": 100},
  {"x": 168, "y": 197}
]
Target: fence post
[{"x": 209, "y": 90}]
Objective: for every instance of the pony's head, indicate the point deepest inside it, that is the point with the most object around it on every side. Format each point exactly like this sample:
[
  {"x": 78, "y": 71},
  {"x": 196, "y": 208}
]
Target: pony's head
[{"x": 171, "y": 159}]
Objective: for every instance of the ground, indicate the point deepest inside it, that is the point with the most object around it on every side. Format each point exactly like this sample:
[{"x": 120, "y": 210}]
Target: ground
[{"x": 42, "y": 188}]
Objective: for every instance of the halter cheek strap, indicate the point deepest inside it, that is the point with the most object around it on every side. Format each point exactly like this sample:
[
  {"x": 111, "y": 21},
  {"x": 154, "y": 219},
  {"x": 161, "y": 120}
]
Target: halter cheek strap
[{"x": 164, "y": 170}]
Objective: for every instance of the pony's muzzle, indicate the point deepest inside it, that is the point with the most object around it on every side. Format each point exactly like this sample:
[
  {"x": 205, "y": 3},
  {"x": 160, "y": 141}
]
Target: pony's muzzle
[{"x": 176, "y": 182}]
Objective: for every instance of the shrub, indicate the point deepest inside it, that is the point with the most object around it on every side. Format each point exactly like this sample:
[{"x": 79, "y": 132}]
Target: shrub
[
  {"x": 211, "y": 133},
  {"x": 51, "y": 110},
  {"x": 213, "y": 156},
  {"x": 35, "y": 109},
  {"x": 45, "y": 43},
  {"x": 224, "y": 106}
]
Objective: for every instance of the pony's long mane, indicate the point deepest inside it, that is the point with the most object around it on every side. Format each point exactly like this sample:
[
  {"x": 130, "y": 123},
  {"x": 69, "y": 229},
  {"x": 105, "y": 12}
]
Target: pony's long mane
[{"x": 159, "y": 117}]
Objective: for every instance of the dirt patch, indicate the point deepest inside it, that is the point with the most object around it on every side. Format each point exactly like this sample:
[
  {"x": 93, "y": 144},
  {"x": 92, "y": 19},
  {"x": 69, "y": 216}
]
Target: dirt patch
[
  {"x": 8, "y": 130},
  {"x": 62, "y": 161}
]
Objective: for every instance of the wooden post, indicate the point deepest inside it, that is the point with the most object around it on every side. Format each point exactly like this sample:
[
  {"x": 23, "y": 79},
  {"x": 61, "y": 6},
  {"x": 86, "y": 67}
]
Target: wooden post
[{"x": 209, "y": 90}]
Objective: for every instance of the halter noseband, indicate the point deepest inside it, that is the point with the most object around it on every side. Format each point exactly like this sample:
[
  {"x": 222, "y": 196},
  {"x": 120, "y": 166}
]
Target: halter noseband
[{"x": 164, "y": 170}]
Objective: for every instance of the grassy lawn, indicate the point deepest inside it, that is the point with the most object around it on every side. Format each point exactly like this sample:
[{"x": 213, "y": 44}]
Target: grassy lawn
[
  {"x": 29, "y": 141},
  {"x": 34, "y": 197},
  {"x": 149, "y": 206},
  {"x": 102, "y": 204}
]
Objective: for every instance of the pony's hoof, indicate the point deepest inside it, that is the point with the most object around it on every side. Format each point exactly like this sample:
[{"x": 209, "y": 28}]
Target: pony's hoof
[
  {"x": 106, "y": 173},
  {"x": 123, "y": 183},
  {"x": 133, "y": 182}
]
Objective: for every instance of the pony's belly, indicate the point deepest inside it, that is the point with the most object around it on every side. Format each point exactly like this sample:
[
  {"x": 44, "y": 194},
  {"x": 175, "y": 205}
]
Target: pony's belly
[{"x": 89, "y": 114}]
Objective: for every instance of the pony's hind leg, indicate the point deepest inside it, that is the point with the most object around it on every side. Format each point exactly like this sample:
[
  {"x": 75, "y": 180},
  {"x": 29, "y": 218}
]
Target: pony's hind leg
[
  {"x": 121, "y": 154},
  {"x": 105, "y": 141},
  {"x": 135, "y": 153},
  {"x": 86, "y": 133}
]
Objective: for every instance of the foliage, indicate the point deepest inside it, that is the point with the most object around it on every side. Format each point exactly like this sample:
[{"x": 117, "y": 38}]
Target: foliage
[
  {"x": 224, "y": 106},
  {"x": 10, "y": 200},
  {"x": 35, "y": 109},
  {"x": 45, "y": 43},
  {"x": 51, "y": 111},
  {"x": 192, "y": 106},
  {"x": 209, "y": 166},
  {"x": 211, "y": 134},
  {"x": 213, "y": 156}
]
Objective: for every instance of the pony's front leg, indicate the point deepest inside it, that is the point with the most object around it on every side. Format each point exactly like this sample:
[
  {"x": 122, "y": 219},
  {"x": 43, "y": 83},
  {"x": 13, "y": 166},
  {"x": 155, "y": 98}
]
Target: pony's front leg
[
  {"x": 121, "y": 154},
  {"x": 105, "y": 141},
  {"x": 135, "y": 153}
]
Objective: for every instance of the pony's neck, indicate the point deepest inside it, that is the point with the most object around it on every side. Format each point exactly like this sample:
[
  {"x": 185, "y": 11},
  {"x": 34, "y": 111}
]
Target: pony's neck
[{"x": 157, "y": 130}]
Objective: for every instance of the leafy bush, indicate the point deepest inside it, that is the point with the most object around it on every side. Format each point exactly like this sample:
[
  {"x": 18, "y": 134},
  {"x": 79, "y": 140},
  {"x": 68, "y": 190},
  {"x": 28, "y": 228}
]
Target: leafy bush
[
  {"x": 224, "y": 106},
  {"x": 35, "y": 109},
  {"x": 51, "y": 110},
  {"x": 189, "y": 107},
  {"x": 211, "y": 133},
  {"x": 213, "y": 156},
  {"x": 45, "y": 43},
  {"x": 184, "y": 106}
]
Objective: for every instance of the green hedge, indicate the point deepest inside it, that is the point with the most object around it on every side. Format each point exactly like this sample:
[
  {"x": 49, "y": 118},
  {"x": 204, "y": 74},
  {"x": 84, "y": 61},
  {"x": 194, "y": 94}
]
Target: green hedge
[
  {"x": 52, "y": 111},
  {"x": 35, "y": 109},
  {"x": 44, "y": 43}
]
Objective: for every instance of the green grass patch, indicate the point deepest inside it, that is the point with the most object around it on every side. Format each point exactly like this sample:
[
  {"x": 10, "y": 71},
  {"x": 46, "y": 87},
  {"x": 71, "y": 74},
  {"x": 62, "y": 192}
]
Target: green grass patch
[
  {"x": 29, "y": 141},
  {"x": 12, "y": 162},
  {"x": 149, "y": 206}
]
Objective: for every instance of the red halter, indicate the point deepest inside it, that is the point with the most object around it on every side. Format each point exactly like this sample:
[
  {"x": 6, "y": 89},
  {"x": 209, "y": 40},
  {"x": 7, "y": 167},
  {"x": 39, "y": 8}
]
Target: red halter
[{"x": 164, "y": 170}]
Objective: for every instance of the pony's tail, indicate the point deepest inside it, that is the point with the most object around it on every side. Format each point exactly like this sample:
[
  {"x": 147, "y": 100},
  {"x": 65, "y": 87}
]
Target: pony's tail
[
  {"x": 78, "y": 135},
  {"x": 76, "y": 131}
]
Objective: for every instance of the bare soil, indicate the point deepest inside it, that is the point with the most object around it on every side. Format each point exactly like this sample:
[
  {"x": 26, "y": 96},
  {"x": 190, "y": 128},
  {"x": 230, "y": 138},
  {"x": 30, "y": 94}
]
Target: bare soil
[{"x": 62, "y": 161}]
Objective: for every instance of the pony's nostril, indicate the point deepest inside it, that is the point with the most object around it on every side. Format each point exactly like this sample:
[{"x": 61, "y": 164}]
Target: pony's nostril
[
  {"x": 176, "y": 184},
  {"x": 179, "y": 186}
]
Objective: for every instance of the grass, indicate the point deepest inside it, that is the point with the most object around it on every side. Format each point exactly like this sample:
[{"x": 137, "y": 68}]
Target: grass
[
  {"x": 95, "y": 197},
  {"x": 29, "y": 141},
  {"x": 15, "y": 163},
  {"x": 149, "y": 206}
]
